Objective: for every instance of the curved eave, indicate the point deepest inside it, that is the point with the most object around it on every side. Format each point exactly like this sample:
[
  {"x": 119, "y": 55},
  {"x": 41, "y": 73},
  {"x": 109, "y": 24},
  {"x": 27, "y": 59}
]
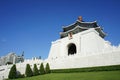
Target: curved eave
[
  {"x": 100, "y": 31},
  {"x": 68, "y": 25},
  {"x": 94, "y": 22},
  {"x": 74, "y": 29},
  {"x": 82, "y": 24},
  {"x": 87, "y": 22}
]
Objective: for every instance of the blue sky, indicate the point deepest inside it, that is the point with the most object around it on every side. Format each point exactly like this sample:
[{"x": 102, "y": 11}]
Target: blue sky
[{"x": 31, "y": 25}]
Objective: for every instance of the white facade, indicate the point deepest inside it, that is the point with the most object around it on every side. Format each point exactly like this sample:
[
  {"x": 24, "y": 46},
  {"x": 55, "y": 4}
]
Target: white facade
[
  {"x": 91, "y": 50},
  {"x": 87, "y": 42}
]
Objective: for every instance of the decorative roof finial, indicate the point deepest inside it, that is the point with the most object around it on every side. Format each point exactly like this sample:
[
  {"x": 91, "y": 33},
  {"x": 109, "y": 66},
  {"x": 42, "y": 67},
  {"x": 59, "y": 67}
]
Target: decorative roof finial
[{"x": 80, "y": 18}]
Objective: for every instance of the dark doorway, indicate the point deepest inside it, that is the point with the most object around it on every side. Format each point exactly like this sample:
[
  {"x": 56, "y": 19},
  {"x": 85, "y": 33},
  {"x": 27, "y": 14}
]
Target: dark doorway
[{"x": 71, "y": 49}]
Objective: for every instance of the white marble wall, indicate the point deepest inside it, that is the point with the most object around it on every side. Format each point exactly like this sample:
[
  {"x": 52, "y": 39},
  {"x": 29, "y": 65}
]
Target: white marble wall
[
  {"x": 77, "y": 61},
  {"x": 92, "y": 50},
  {"x": 20, "y": 67},
  {"x": 87, "y": 41}
]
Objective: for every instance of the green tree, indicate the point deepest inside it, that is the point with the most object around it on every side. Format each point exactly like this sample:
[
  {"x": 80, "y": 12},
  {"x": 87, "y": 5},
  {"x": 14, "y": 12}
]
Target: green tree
[
  {"x": 35, "y": 70},
  {"x": 42, "y": 70},
  {"x": 13, "y": 72},
  {"x": 28, "y": 71},
  {"x": 47, "y": 68}
]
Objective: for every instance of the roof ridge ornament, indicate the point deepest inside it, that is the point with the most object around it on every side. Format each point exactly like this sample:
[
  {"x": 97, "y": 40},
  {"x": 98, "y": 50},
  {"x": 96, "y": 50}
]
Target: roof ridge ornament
[{"x": 80, "y": 19}]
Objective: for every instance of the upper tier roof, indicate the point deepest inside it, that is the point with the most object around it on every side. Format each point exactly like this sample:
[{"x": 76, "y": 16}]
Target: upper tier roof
[{"x": 81, "y": 26}]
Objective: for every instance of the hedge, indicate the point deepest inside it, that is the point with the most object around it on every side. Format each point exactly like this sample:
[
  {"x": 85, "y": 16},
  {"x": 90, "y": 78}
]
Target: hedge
[
  {"x": 87, "y": 69},
  {"x": 47, "y": 68},
  {"x": 42, "y": 70},
  {"x": 35, "y": 70},
  {"x": 13, "y": 72},
  {"x": 28, "y": 71}
]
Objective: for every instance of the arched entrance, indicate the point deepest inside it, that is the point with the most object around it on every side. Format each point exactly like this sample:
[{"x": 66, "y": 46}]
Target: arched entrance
[{"x": 71, "y": 49}]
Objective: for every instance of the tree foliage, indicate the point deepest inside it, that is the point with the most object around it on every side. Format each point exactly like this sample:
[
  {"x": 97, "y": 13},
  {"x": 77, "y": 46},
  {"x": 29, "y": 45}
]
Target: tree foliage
[
  {"x": 28, "y": 71},
  {"x": 42, "y": 70},
  {"x": 35, "y": 70},
  {"x": 47, "y": 68},
  {"x": 13, "y": 72}
]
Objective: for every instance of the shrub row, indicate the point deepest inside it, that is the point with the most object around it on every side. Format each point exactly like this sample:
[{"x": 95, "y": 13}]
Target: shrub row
[
  {"x": 28, "y": 72},
  {"x": 35, "y": 71},
  {"x": 88, "y": 69}
]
